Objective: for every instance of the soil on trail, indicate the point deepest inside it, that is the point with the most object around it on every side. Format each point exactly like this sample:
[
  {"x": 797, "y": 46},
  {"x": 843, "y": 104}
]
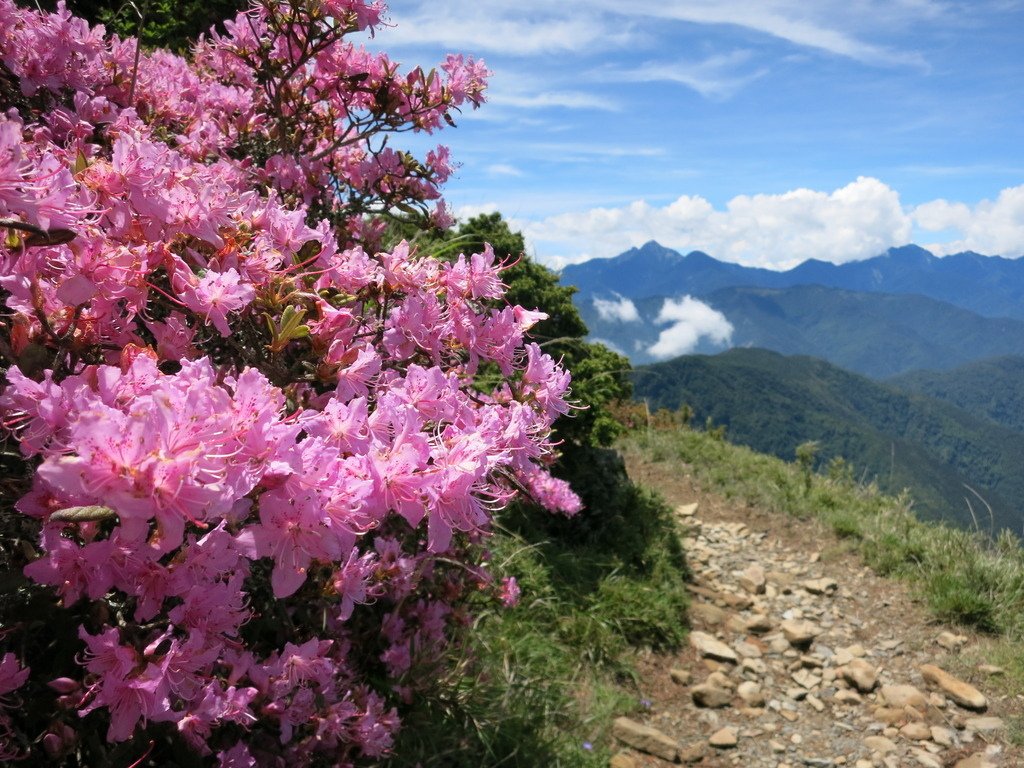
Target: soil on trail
[{"x": 801, "y": 656}]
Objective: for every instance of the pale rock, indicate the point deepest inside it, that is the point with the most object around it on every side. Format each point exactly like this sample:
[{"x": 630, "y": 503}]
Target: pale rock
[
  {"x": 687, "y": 510},
  {"x": 721, "y": 680},
  {"x": 899, "y": 696},
  {"x": 740, "y": 602},
  {"x": 845, "y": 655},
  {"x": 707, "y": 614},
  {"x": 951, "y": 642},
  {"x": 751, "y": 693},
  {"x": 815, "y": 702},
  {"x": 880, "y": 744},
  {"x": 847, "y": 697},
  {"x": 622, "y": 760},
  {"x": 942, "y": 736},
  {"x": 799, "y": 633},
  {"x": 863, "y": 764},
  {"x": 736, "y": 625},
  {"x": 645, "y": 738},
  {"x": 890, "y": 715},
  {"x": 862, "y": 674},
  {"x": 748, "y": 650},
  {"x": 777, "y": 746},
  {"x": 708, "y": 646},
  {"x": 752, "y": 579},
  {"x": 806, "y": 678},
  {"x": 924, "y": 759},
  {"x": 985, "y": 724},
  {"x": 916, "y": 731},
  {"x": 726, "y": 738},
  {"x": 710, "y": 696},
  {"x": 991, "y": 669},
  {"x": 680, "y": 676},
  {"x": 975, "y": 761},
  {"x": 962, "y": 693},
  {"x": 823, "y": 586},
  {"x": 694, "y": 753},
  {"x": 759, "y": 624}
]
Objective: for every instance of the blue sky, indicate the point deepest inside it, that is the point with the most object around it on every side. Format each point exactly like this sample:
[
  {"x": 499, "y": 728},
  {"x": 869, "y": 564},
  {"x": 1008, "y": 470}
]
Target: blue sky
[{"x": 762, "y": 131}]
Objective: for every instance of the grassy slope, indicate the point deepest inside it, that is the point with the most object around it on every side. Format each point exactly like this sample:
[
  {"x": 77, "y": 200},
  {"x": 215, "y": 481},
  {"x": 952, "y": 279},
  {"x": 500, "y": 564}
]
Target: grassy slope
[{"x": 774, "y": 403}]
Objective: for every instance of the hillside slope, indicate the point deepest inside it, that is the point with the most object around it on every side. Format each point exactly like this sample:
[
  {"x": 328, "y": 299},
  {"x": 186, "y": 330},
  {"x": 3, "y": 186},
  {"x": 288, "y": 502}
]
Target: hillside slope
[
  {"x": 991, "y": 389},
  {"x": 773, "y": 404}
]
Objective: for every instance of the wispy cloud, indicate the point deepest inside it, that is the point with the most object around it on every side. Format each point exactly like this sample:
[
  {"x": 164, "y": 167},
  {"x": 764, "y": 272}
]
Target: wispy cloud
[
  {"x": 502, "y": 169},
  {"x": 716, "y": 77}
]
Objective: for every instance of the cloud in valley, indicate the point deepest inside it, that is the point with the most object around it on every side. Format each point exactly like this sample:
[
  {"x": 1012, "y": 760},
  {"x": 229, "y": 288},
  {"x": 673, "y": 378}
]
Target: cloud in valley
[
  {"x": 691, "y": 320},
  {"x": 620, "y": 310}
]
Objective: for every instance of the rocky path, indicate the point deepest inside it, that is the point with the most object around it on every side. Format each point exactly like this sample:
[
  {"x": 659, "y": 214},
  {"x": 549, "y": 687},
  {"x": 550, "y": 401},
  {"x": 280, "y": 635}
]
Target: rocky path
[{"x": 799, "y": 656}]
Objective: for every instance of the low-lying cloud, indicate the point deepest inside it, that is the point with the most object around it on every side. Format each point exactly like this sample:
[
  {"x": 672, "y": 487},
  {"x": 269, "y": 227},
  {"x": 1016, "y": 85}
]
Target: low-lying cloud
[
  {"x": 619, "y": 310},
  {"x": 691, "y": 320}
]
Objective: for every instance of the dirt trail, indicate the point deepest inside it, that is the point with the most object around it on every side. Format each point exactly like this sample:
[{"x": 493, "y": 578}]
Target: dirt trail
[{"x": 801, "y": 656}]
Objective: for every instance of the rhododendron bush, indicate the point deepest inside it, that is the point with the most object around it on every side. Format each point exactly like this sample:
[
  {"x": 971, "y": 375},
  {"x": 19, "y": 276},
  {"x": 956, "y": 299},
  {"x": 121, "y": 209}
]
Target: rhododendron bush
[{"x": 248, "y": 472}]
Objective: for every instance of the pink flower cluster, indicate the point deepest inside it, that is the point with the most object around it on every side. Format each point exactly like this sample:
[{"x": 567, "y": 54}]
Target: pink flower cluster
[{"x": 250, "y": 433}]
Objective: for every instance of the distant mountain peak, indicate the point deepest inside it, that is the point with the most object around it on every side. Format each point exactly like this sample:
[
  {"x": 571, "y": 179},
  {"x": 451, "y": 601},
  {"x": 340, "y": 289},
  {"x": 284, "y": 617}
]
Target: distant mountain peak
[{"x": 910, "y": 254}]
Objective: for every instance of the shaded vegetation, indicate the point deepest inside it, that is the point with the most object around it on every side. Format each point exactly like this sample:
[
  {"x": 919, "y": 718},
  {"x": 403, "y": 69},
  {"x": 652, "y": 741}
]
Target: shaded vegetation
[{"x": 989, "y": 389}]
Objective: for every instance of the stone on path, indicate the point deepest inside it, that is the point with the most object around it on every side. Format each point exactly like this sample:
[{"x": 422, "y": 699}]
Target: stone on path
[
  {"x": 985, "y": 724},
  {"x": 799, "y": 632},
  {"x": 680, "y": 676},
  {"x": 622, "y": 760},
  {"x": 975, "y": 761},
  {"x": 964, "y": 694},
  {"x": 822, "y": 586},
  {"x": 726, "y": 738},
  {"x": 862, "y": 674},
  {"x": 687, "y": 510},
  {"x": 711, "y": 648},
  {"x": 710, "y": 696},
  {"x": 645, "y": 738},
  {"x": 880, "y": 744},
  {"x": 899, "y": 696},
  {"x": 951, "y": 642},
  {"x": 753, "y": 579},
  {"x": 707, "y": 614}
]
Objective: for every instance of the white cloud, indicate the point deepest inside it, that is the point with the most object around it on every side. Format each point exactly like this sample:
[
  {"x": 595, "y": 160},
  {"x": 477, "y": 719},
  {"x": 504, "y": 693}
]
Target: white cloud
[
  {"x": 990, "y": 227},
  {"x": 691, "y": 320},
  {"x": 621, "y": 310},
  {"x": 854, "y": 222}
]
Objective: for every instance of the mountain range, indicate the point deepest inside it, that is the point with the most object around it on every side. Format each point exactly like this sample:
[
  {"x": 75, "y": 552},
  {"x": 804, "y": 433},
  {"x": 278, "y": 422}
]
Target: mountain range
[
  {"x": 907, "y": 365},
  {"x": 902, "y": 311},
  {"x": 991, "y": 286}
]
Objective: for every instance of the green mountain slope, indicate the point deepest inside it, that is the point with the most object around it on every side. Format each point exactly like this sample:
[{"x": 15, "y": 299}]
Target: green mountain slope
[
  {"x": 773, "y": 403},
  {"x": 990, "y": 389}
]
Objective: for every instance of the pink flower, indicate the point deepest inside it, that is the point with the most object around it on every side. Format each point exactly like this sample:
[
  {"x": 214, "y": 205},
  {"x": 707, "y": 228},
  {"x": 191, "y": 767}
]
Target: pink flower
[
  {"x": 510, "y": 592},
  {"x": 217, "y": 293}
]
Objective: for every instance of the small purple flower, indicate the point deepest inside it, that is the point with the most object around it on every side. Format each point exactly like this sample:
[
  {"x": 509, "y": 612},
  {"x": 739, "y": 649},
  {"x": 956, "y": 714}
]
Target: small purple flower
[{"x": 588, "y": 746}]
